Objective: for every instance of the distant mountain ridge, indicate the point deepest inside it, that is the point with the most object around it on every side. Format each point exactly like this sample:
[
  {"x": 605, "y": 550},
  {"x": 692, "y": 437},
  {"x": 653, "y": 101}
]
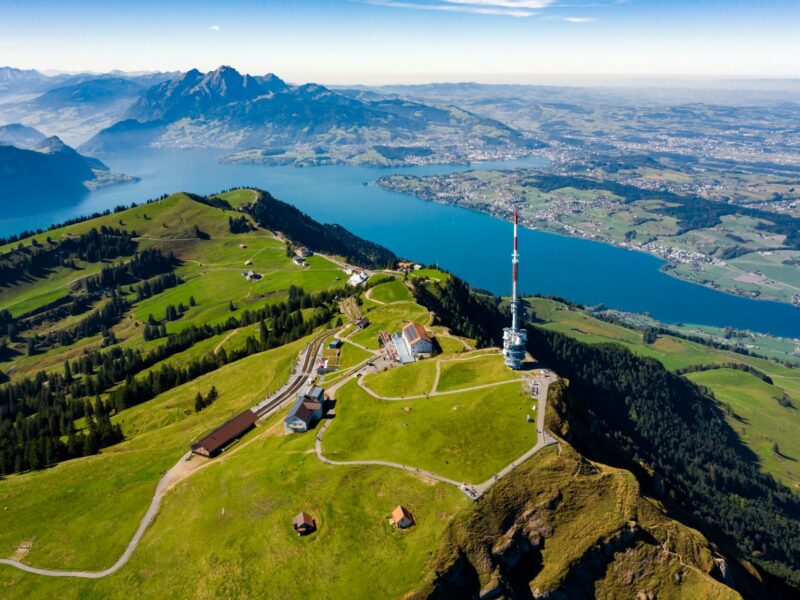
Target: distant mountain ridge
[
  {"x": 225, "y": 109},
  {"x": 49, "y": 170},
  {"x": 21, "y": 136},
  {"x": 91, "y": 91}
]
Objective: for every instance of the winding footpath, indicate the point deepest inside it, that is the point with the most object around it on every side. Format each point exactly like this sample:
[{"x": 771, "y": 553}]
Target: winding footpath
[
  {"x": 472, "y": 491},
  {"x": 171, "y": 476},
  {"x": 303, "y": 369}
]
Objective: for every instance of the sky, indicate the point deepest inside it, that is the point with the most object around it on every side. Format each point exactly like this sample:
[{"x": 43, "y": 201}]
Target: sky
[{"x": 410, "y": 41}]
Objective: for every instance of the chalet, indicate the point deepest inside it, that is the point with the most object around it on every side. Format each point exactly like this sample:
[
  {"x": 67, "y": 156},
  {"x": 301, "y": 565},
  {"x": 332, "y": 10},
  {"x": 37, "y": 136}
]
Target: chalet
[
  {"x": 302, "y": 252},
  {"x": 304, "y": 524},
  {"x": 362, "y": 323},
  {"x": 402, "y": 518},
  {"x": 223, "y": 435},
  {"x": 299, "y": 261},
  {"x": 251, "y": 275},
  {"x": 335, "y": 344},
  {"x": 404, "y": 266},
  {"x": 306, "y": 410},
  {"x": 248, "y": 262}
]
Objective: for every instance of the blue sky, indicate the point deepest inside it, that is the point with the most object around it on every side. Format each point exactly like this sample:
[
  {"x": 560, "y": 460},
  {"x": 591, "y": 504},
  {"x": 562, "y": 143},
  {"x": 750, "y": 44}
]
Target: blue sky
[{"x": 385, "y": 41}]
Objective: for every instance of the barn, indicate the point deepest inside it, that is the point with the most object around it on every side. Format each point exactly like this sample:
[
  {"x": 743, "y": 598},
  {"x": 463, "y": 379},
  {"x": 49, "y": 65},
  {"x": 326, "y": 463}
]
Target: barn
[{"x": 223, "y": 435}]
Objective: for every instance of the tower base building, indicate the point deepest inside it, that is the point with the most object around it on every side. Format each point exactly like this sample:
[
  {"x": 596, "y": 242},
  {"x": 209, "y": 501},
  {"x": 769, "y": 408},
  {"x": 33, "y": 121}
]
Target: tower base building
[{"x": 514, "y": 347}]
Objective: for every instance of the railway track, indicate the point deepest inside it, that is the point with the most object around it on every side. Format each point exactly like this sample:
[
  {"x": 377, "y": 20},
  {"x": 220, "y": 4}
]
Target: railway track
[{"x": 300, "y": 379}]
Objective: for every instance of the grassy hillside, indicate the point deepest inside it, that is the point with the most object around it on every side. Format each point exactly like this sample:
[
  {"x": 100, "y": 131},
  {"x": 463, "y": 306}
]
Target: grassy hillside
[
  {"x": 561, "y": 525},
  {"x": 763, "y": 414},
  {"x": 224, "y": 530}
]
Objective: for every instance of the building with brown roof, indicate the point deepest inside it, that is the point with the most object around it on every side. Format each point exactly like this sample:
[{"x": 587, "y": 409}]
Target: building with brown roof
[
  {"x": 411, "y": 342},
  {"x": 304, "y": 524},
  {"x": 306, "y": 410},
  {"x": 223, "y": 435},
  {"x": 402, "y": 517}
]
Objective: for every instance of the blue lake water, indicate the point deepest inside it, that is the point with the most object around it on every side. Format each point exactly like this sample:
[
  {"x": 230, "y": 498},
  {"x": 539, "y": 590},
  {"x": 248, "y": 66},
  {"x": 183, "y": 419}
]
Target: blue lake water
[{"x": 472, "y": 245}]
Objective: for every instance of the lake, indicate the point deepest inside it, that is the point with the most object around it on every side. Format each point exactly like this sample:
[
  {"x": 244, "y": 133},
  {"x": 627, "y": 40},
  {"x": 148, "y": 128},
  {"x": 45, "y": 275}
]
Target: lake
[{"x": 472, "y": 245}]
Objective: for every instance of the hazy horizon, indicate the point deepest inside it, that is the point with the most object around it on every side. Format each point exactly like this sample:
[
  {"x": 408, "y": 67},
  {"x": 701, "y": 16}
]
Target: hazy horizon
[{"x": 376, "y": 42}]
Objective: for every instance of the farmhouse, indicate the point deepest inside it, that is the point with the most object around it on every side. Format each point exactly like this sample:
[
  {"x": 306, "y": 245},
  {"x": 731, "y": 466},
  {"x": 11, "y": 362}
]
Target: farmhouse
[
  {"x": 304, "y": 524},
  {"x": 302, "y": 252},
  {"x": 335, "y": 344},
  {"x": 306, "y": 410},
  {"x": 402, "y": 518},
  {"x": 362, "y": 323},
  {"x": 300, "y": 261},
  {"x": 251, "y": 275},
  {"x": 215, "y": 441},
  {"x": 412, "y": 342}
]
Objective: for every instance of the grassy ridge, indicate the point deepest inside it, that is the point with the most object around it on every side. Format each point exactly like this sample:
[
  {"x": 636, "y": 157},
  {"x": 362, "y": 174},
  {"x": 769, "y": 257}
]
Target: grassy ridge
[{"x": 756, "y": 413}]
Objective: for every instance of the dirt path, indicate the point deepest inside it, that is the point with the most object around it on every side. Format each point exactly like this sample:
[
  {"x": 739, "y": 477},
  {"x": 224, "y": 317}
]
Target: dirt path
[
  {"x": 175, "y": 474},
  {"x": 432, "y": 394},
  {"x": 227, "y": 337}
]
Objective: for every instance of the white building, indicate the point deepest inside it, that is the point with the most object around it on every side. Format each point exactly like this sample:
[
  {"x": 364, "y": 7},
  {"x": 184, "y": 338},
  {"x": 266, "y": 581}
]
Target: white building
[
  {"x": 357, "y": 278},
  {"x": 411, "y": 342}
]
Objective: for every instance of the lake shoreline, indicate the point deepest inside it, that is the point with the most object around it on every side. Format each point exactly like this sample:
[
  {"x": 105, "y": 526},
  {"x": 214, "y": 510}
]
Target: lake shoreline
[{"x": 472, "y": 244}]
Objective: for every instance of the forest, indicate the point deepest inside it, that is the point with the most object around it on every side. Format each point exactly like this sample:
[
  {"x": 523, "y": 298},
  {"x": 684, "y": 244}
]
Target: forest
[
  {"x": 37, "y": 412},
  {"x": 275, "y": 215}
]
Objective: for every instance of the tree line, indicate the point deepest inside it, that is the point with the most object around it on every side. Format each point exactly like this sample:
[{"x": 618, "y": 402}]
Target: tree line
[
  {"x": 38, "y": 258},
  {"x": 47, "y": 404}
]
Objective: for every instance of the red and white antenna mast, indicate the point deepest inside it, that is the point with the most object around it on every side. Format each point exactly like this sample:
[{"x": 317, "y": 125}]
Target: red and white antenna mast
[
  {"x": 515, "y": 270},
  {"x": 514, "y": 337}
]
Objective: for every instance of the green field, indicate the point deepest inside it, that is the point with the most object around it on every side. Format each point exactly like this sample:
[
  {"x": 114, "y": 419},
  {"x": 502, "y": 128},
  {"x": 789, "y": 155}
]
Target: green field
[
  {"x": 237, "y": 198},
  {"x": 394, "y": 291},
  {"x": 237, "y": 514},
  {"x": 760, "y": 419},
  {"x": 409, "y": 380},
  {"x": 480, "y": 369},
  {"x": 467, "y": 436},
  {"x": 432, "y": 274},
  {"x": 78, "y": 519}
]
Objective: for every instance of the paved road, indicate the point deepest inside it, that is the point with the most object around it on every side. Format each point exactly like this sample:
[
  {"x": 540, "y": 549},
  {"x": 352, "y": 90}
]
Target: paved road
[{"x": 148, "y": 517}]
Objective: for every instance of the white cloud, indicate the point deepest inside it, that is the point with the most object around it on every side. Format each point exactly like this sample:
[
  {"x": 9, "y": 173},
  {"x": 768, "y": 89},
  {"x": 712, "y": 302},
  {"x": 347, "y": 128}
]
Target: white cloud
[
  {"x": 214, "y": 27},
  {"x": 479, "y": 7},
  {"x": 579, "y": 19},
  {"x": 516, "y": 4}
]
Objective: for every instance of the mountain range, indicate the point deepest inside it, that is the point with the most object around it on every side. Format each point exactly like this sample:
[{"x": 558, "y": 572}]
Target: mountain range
[
  {"x": 271, "y": 120},
  {"x": 32, "y": 165},
  {"x": 258, "y": 118}
]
